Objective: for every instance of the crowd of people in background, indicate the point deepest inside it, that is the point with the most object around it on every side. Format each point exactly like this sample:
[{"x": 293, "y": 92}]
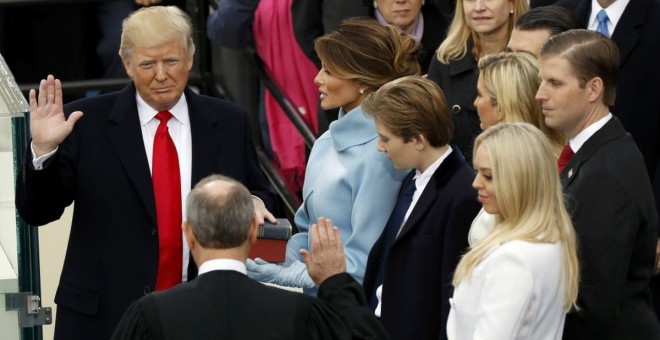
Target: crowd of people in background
[{"x": 492, "y": 173}]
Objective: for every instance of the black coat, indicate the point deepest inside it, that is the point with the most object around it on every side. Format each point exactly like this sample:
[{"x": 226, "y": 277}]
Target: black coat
[
  {"x": 611, "y": 204},
  {"x": 112, "y": 255},
  {"x": 458, "y": 81},
  {"x": 224, "y": 304},
  {"x": 422, "y": 259}
]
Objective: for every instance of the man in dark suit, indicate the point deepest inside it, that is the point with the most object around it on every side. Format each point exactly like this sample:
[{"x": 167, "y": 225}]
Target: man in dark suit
[
  {"x": 223, "y": 303},
  {"x": 633, "y": 26},
  {"x": 409, "y": 270},
  {"x": 607, "y": 187},
  {"x": 118, "y": 246}
]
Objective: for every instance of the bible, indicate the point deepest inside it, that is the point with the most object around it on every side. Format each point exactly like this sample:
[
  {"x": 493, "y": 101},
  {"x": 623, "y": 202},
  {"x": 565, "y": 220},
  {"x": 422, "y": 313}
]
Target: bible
[{"x": 271, "y": 241}]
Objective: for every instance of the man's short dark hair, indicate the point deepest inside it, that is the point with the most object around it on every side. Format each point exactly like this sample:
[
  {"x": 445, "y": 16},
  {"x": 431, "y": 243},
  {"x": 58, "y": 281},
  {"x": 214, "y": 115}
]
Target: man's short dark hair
[
  {"x": 590, "y": 55},
  {"x": 555, "y": 19}
]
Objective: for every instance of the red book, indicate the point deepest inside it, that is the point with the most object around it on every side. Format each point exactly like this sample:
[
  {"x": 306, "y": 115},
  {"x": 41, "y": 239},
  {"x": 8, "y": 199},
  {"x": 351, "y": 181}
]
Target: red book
[
  {"x": 269, "y": 250},
  {"x": 271, "y": 241}
]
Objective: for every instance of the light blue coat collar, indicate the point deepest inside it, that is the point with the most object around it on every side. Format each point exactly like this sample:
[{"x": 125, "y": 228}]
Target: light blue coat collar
[{"x": 352, "y": 128}]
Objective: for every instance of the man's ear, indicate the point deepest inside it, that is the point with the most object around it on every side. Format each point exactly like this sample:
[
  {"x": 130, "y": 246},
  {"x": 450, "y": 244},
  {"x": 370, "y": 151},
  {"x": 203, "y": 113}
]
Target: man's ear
[
  {"x": 190, "y": 236},
  {"x": 420, "y": 142},
  {"x": 252, "y": 234},
  {"x": 596, "y": 89}
]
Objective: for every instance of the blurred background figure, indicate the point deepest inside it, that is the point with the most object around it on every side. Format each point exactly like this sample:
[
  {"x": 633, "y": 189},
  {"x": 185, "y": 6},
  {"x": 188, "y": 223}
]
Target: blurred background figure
[
  {"x": 536, "y": 26},
  {"x": 478, "y": 28}
]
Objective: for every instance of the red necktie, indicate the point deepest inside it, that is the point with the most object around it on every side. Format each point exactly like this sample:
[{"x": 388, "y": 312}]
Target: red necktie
[
  {"x": 167, "y": 192},
  {"x": 564, "y": 157}
]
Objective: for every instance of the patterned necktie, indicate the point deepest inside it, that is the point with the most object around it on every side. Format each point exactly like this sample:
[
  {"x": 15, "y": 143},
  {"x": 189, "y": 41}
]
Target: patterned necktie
[
  {"x": 564, "y": 157},
  {"x": 391, "y": 230},
  {"x": 602, "y": 23},
  {"x": 167, "y": 193}
]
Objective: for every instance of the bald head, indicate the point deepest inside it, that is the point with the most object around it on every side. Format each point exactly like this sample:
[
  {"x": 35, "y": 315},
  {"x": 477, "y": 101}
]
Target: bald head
[{"x": 220, "y": 212}]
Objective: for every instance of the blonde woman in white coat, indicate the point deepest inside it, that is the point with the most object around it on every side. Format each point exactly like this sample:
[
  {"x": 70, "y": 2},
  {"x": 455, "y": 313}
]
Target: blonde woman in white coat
[{"x": 519, "y": 281}]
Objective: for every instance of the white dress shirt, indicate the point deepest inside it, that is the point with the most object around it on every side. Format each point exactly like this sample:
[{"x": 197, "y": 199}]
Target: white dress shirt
[
  {"x": 222, "y": 264},
  {"x": 584, "y": 135},
  {"x": 614, "y": 13}
]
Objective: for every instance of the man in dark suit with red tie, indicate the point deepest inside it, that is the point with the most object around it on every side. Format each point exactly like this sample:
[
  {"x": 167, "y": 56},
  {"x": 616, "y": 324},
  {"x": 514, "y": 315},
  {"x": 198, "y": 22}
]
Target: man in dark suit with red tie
[
  {"x": 120, "y": 164},
  {"x": 223, "y": 303},
  {"x": 633, "y": 26},
  {"x": 607, "y": 187}
]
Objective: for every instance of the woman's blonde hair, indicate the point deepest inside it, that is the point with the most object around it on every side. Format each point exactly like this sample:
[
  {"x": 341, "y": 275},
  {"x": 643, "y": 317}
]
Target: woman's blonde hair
[
  {"x": 459, "y": 34},
  {"x": 152, "y": 26},
  {"x": 511, "y": 80},
  {"x": 364, "y": 50},
  {"x": 529, "y": 197}
]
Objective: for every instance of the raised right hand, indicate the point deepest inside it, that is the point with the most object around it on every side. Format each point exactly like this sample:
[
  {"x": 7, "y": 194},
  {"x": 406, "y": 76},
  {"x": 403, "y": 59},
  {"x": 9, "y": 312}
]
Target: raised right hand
[
  {"x": 48, "y": 125},
  {"x": 326, "y": 257}
]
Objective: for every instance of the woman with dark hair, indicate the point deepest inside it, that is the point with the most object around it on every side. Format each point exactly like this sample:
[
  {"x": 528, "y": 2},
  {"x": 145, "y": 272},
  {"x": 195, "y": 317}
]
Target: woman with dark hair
[{"x": 347, "y": 179}]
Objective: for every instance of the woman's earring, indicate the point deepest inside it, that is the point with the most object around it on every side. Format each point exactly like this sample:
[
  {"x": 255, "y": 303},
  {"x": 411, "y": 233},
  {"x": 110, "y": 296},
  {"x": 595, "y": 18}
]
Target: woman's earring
[
  {"x": 361, "y": 91},
  {"x": 375, "y": 4},
  {"x": 511, "y": 12},
  {"x": 423, "y": 2}
]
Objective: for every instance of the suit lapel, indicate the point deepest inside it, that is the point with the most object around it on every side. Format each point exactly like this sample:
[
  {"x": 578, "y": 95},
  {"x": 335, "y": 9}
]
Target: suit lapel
[
  {"x": 581, "y": 10},
  {"x": 611, "y": 130},
  {"x": 430, "y": 194},
  {"x": 125, "y": 135},
  {"x": 625, "y": 34},
  {"x": 205, "y": 134}
]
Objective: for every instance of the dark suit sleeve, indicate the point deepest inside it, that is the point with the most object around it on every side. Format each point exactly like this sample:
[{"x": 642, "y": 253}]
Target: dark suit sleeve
[
  {"x": 455, "y": 244},
  {"x": 42, "y": 195},
  {"x": 346, "y": 298},
  {"x": 139, "y": 322}
]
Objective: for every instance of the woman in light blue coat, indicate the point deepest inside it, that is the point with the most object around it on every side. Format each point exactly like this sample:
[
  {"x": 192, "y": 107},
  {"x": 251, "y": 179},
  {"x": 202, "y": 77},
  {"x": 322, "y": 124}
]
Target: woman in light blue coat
[{"x": 347, "y": 179}]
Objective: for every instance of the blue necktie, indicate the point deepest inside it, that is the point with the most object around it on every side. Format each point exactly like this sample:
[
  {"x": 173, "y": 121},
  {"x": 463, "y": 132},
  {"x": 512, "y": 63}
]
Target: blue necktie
[
  {"x": 602, "y": 23},
  {"x": 391, "y": 230}
]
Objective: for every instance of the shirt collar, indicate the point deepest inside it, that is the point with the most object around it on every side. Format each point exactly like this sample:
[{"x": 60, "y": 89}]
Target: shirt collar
[
  {"x": 352, "y": 128},
  {"x": 222, "y": 264},
  {"x": 614, "y": 12},
  {"x": 179, "y": 111},
  {"x": 577, "y": 142},
  {"x": 418, "y": 30},
  {"x": 422, "y": 178}
]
